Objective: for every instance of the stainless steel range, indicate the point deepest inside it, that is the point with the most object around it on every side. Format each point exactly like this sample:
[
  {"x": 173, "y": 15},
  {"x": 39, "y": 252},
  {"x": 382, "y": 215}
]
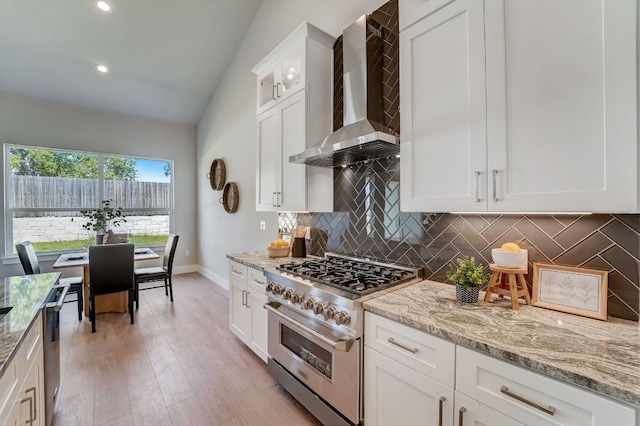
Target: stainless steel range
[{"x": 315, "y": 326}]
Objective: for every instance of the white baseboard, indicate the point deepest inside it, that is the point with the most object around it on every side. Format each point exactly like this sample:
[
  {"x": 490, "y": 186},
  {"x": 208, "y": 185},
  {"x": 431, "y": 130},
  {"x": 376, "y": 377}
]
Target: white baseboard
[
  {"x": 185, "y": 269},
  {"x": 217, "y": 279}
]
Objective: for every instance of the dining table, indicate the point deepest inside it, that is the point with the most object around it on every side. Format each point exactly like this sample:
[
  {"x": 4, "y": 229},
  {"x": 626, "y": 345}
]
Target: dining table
[{"x": 115, "y": 302}]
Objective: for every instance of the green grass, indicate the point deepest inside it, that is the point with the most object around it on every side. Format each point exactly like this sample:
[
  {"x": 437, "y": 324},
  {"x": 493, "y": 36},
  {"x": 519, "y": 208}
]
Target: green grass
[{"x": 81, "y": 244}]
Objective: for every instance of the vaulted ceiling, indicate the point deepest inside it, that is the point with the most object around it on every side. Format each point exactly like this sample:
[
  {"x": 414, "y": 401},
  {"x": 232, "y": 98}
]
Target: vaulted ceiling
[{"x": 165, "y": 57}]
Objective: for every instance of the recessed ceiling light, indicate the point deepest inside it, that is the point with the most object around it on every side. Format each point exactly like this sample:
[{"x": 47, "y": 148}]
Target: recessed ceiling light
[
  {"x": 102, "y": 68},
  {"x": 103, "y": 6}
]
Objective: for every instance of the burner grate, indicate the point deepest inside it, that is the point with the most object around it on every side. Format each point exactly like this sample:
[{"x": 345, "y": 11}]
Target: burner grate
[{"x": 358, "y": 276}]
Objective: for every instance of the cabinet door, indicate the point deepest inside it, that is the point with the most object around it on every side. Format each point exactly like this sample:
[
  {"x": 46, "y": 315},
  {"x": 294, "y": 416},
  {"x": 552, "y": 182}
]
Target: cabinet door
[
  {"x": 443, "y": 120},
  {"x": 238, "y": 313},
  {"x": 469, "y": 412},
  {"x": 398, "y": 395},
  {"x": 293, "y": 182},
  {"x": 562, "y": 105},
  {"x": 31, "y": 398},
  {"x": 268, "y": 159},
  {"x": 267, "y": 86},
  {"x": 292, "y": 71},
  {"x": 258, "y": 344}
]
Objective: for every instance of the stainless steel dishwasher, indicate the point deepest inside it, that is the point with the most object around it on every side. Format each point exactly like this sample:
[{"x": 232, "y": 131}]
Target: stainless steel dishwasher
[{"x": 51, "y": 327}]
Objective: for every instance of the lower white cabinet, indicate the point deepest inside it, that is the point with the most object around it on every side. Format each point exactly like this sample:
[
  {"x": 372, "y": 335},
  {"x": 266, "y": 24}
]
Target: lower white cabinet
[
  {"x": 22, "y": 384},
  {"x": 247, "y": 316},
  {"x": 407, "y": 382},
  {"x": 469, "y": 412},
  {"x": 398, "y": 395}
]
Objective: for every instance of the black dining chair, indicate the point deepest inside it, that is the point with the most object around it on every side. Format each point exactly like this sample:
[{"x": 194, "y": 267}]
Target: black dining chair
[
  {"x": 110, "y": 271},
  {"x": 29, "y": 260},
  {"x": 159, "y": 273}
]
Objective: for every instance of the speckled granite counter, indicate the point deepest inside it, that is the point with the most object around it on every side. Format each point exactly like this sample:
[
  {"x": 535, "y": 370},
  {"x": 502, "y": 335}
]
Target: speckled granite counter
[
  {"x": 598, "y": 355},
  {"x": 261, "y": 260},
  {"x": 26, "y": 295}
]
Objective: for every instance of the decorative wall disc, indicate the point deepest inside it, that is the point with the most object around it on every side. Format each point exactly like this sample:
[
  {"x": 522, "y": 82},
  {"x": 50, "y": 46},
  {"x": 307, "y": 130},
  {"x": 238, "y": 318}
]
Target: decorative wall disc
[
  {"x": 217, "y": 174},
  {"x": 230, "y": 197}
]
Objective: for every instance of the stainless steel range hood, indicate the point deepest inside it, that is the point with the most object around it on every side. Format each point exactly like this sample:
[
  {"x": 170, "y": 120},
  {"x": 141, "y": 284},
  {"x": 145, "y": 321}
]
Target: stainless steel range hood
[{"x": 363, "y": 136}]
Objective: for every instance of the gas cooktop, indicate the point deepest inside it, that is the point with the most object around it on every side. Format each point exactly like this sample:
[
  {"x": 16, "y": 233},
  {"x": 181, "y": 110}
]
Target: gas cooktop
[{"x": 354, "y": 275}]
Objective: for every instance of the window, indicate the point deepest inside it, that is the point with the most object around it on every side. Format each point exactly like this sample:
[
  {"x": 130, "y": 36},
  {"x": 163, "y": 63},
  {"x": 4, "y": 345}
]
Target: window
[{"x": 46, "y": 190}]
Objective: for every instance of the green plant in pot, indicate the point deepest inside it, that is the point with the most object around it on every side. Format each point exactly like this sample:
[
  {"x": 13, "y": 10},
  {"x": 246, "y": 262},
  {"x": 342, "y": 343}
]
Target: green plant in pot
[
  {"x": 468, "y": 276},
  {"x": 103, "y": 218}
]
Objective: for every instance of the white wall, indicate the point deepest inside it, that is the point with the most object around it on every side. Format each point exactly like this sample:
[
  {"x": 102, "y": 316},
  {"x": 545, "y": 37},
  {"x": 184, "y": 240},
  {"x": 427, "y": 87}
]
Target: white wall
[
  {"x": 228, "y": 129},
  {"x": 41, "y": 123}
]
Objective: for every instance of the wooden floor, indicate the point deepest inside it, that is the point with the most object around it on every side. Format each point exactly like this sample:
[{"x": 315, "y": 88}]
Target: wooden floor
[{"x": 178, "y": 365}]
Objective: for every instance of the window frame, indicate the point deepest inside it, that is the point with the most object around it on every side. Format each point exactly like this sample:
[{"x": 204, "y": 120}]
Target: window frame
[{"x": 9, "y": 211}]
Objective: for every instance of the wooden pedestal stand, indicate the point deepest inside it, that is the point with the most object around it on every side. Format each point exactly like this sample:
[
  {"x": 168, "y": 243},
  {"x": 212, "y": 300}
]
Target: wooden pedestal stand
[{"x": 508, "y": 282}]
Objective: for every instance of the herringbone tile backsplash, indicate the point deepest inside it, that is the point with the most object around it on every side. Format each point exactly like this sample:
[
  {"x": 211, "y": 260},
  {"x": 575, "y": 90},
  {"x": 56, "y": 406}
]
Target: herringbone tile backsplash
[{"x": 368, "y": 222}]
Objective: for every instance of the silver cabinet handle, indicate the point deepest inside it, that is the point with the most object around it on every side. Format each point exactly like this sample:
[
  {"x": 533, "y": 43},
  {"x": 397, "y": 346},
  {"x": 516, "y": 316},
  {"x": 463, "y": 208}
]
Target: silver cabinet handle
[
  {"x": 400, "y": 345},
  {"x": 244, "y": 292},
  {"x": 440, "y": 404},
  {"x": 494, "y": 172},
  {"x": 30, "y": 400},
  {"x": 274, "y": 92},
  {"x": 477, "y": 199},
  {"x": 278, "y": 91},
  {"x": 505, "y": 390},
  {"x": 461, "y": 416},
  {"x": 273, "y": 200},
  {"x": 35, "y": 403},
  {"x": 235, "y": 271},
  {"x": 257, "y": 281},
  {"x": 278, "y": 199},
  {"x": 246, "y": 297}
]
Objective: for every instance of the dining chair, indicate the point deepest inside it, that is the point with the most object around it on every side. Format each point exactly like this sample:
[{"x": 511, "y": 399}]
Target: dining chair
[
  {"x": 29, "y": 260},
  {"x": 159, "y": 273},
  {"x": 110, "y": 271}
]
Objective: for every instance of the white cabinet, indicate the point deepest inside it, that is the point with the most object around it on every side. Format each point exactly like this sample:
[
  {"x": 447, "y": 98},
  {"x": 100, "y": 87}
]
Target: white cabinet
[
  {"x": 247, "y": 316},
  {"x": 531, "y": 398},
  {"x": 408, "y": 375},
  {"x": 295, "y": 116},
  {"x": 469, "y": 412},
  {"x": 511, "y": 105},
  {"x": 22, "y": 384}
]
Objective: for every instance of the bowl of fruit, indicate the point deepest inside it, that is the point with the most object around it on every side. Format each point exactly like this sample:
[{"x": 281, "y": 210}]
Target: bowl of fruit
[
  {"x": 510, "y": 256},
  {"x": 278, "y": 248}
]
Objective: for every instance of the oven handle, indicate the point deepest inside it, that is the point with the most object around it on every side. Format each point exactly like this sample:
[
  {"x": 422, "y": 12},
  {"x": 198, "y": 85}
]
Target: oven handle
[{"x": 340, "y": 345}]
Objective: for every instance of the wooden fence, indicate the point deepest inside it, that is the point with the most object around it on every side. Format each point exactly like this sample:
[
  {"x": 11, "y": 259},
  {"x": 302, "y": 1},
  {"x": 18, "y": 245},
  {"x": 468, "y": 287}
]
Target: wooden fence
[{"x": 55, "y": 193}]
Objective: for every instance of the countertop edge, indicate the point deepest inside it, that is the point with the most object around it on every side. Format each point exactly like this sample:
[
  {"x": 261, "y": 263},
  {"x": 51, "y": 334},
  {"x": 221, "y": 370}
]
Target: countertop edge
[{"x": 18, "y": 344}]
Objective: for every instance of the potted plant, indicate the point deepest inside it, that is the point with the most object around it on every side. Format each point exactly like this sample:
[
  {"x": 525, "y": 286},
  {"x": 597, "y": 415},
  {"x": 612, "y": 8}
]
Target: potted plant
[
  {"x": 468, "y": 276},
  {"x": 101, "y": 219}
]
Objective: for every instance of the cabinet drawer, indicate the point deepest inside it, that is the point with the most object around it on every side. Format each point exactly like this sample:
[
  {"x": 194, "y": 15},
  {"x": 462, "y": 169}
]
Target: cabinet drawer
[
  {"x": 429, "y": 355},
  {"x": 506, "y": 387},
  {"x": 237, "y": 271},
  {"x": 257, "y": 280},
  {"x": 411, "y": 11}
]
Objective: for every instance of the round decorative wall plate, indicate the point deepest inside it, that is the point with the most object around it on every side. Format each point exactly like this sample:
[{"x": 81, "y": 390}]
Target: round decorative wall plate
[
  {"x": 217, "y": 174},
  {"x": 230, "y": 197}
]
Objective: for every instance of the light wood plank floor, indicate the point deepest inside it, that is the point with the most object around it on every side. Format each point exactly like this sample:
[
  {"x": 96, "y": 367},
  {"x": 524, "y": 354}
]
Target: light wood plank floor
[{"x": 178, "y": 365}]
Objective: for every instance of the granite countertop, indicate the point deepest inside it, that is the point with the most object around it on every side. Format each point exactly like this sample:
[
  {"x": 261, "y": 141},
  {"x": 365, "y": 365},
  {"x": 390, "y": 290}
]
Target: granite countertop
[
  {"x": 261, "y": 260},
  {"x": 603, "y": 356},
  {"x": 26, "y": 295}
]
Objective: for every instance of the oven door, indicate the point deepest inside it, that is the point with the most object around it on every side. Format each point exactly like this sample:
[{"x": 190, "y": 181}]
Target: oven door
[{"x": 326, "y": 361}]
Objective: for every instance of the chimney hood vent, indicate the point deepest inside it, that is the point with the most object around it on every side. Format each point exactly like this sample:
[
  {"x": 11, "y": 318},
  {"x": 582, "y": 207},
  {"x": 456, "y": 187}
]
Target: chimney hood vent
[{"x": 363, "y": 136}]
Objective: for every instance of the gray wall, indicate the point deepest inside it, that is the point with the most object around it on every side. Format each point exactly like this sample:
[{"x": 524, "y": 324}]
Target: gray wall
[
  {"x": 41, "y": 123},
  {"x": 228, "y": 129}
]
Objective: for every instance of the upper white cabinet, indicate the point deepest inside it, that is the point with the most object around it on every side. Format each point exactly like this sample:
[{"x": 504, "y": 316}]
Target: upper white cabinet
[
  {"x": 294, "y": 112},
  {"x": 513, "y": 105}
]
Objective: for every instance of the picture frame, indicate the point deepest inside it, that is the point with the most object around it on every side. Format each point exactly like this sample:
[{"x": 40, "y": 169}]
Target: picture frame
[{"x": 573, "y": 290}]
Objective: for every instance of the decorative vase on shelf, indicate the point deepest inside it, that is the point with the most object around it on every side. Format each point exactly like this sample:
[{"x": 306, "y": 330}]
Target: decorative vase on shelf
[{"x": 467, "y": 296}]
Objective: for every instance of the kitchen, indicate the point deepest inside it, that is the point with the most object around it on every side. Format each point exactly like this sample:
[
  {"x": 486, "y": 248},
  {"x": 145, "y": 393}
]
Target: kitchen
[{"x": 220, "y": 233}]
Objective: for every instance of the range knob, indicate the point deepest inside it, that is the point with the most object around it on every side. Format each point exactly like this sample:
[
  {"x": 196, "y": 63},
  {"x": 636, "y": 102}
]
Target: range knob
[
  {"x": 288, "y": 294},
  {"x": 269, "y": 287},
  {"x": 277, "y": 289},
  {"x": 318, "y": 308},
  {"x": 297, "y": 297},
  {"x": 342, "y": 318},
  {"x": 330, "y": 312},
  {"x": 309, "y": 304}
]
